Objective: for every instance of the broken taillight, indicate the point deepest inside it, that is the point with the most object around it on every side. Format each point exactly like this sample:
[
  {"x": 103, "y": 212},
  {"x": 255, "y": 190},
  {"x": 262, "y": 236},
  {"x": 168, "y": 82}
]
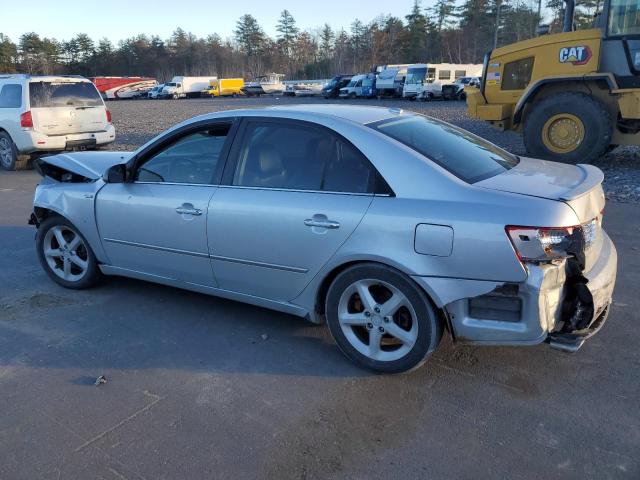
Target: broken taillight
[
  {"x": 545, "y": 244},
  {"x": 540, "y": 244},
  {"x": 26, "y": 120}
]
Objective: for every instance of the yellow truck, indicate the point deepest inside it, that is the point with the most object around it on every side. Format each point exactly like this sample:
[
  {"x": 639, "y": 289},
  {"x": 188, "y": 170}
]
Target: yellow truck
[
  {"x": 225, "y": 87},
  {"x": 573, "y": 95}
]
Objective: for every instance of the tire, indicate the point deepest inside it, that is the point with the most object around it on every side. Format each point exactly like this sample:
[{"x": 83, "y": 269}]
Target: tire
[
  {"x": 416, "y": 322},
  {"x": 462, "y": 96},
  {"x": 587, "y": 121},
  {"x": 8, "y": 152},
  {"x": 78, "y": 277},
  {"x": 352, "y": 96},
  {"x": 175, "y": 96}
]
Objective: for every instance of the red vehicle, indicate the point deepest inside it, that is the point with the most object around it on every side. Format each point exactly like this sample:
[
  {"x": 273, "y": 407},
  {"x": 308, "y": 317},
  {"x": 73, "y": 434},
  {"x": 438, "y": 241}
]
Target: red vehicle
[{"x": 112, "y": 88}]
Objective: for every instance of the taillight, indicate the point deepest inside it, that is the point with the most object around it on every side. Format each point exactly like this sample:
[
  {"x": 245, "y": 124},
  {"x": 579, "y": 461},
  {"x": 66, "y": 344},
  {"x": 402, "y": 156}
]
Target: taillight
[
  {"x": 108, "y": 116},
  {"x": 544, "y": 244},
  {"x": 26, "y": 121},
  {"x": 541, "y": 244}
]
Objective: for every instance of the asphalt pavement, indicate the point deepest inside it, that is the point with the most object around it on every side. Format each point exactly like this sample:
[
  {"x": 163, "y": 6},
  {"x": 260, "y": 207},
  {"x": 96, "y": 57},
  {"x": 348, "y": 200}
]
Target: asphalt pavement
[{"x": 199, "y": 387}]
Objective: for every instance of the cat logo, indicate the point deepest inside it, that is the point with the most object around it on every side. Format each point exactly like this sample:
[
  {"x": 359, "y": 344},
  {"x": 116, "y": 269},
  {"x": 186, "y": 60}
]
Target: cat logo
[{"x": 576, "y": 55}]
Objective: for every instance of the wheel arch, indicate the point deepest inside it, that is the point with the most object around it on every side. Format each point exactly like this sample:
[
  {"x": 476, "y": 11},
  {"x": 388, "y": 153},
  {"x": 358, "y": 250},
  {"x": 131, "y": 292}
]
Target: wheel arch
[
  {"x": 585, "y": 83},
  {"x": 322, "y": 289}
]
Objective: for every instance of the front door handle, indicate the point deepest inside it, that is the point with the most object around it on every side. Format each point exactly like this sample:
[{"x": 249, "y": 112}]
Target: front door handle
[
  {"x": 188, "y": 209},
  {"x": 317, "y": 221}
]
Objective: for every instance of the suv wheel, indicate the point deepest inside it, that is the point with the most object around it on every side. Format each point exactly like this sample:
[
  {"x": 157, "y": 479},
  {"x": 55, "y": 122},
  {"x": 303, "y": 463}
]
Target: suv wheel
[
  {"x": 8, "y": 152},
  {"x": 381, "y": 319}
]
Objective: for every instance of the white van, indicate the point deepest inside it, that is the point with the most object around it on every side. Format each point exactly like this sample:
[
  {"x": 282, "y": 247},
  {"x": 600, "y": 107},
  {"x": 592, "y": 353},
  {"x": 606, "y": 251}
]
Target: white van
[
  {"x": 354, "y": 88},
  {"x": 49, "y": 113}
]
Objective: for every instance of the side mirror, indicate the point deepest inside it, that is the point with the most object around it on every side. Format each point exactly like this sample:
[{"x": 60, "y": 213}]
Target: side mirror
[{"x": 115, "y": 174}]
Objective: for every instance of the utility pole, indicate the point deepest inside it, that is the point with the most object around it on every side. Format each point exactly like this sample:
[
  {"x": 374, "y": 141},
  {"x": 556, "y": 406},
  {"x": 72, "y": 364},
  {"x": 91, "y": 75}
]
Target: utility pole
[{"x": 495, "y": 32}]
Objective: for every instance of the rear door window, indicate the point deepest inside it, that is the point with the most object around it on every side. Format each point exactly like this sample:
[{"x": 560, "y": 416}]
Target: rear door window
[
  {"x": 11, "y": 96},
  {"x": 298, "y": 157},
  {"x": 64, "y": 94}
]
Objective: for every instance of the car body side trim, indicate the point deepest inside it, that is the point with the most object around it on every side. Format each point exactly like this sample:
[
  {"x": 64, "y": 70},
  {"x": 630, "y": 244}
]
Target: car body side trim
[
  {"x": 254, "y": 263},
  {"x": 156, "y": 247}
]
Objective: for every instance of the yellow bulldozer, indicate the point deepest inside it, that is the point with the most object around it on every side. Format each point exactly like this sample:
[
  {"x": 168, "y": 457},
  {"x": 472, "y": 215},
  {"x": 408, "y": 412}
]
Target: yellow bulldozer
[{"x": 574, "y": 95}]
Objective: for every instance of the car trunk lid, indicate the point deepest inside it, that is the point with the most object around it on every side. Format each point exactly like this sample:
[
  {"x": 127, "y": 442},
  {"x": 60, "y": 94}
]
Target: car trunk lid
[{"x": 579, "y": 186}]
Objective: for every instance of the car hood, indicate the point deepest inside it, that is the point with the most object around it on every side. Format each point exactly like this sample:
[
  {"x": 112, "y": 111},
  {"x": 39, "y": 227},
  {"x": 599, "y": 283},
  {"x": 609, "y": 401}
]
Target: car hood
[
  {"x": 545, "y": 179},
  {"x": 90, "y": 165}
]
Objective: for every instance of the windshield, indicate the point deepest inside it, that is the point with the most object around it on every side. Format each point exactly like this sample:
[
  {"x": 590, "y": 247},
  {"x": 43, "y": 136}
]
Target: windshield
[
  {"x": 467, "y": 156},
  {"x": 64, "y": 94},
  {"x": 624, "y": 17},
  {"x": 416, "y": 75}
]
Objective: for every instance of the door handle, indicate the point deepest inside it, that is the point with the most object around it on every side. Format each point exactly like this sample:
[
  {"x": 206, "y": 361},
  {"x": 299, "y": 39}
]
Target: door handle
[
  {"x": 322, "y": 223},
  {"x": 188, "y": 209}
]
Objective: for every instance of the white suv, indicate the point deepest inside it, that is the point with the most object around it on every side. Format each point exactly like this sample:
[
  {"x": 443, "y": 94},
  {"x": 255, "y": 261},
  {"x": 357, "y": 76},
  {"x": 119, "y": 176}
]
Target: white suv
[{"x": 41, "y": 114}]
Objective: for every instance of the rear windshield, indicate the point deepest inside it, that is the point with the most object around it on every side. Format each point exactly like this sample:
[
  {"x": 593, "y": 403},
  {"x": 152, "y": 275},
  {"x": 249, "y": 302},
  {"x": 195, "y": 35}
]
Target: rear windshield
[
  {"x": 63, "y": 94},
  {"x": 467, "y": 156}
]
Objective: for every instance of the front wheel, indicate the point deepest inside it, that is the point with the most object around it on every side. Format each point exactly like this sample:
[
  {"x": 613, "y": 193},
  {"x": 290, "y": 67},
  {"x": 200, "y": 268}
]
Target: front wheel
[
  {"x": 569, "y": 127},
  {"x": 381, "y": 319},
  {"x": 66, "y": 255}
]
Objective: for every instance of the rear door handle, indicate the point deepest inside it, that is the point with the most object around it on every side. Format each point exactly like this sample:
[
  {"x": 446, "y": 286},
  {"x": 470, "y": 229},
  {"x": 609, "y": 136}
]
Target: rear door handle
[
  {"x": 188, "y": 209},
  {"x": 322, "y": 223}
]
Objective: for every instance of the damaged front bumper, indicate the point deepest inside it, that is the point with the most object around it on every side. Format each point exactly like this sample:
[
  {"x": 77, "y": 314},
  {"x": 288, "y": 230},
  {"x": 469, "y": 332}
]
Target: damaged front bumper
[{"x": 553, "y": 305}]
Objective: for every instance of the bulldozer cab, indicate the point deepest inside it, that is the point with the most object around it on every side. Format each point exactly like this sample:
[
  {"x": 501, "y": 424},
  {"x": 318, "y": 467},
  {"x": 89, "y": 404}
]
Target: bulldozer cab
[{"x": 620, "y": 25}]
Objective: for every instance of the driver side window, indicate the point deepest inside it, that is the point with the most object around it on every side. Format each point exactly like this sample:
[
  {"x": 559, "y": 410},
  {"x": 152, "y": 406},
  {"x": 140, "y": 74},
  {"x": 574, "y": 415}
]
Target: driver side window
[{"x": 192, "y": 158}]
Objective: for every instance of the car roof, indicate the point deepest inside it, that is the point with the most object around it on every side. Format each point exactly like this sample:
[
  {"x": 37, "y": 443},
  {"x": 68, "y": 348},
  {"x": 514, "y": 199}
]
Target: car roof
[
  {"x": 327, "y": 114},
  {"x": 355, "y": 113}
]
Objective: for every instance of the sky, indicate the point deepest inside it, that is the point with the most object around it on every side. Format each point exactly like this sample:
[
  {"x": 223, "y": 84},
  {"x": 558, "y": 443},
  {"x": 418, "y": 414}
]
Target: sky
[{"x": 119, "y": 19}]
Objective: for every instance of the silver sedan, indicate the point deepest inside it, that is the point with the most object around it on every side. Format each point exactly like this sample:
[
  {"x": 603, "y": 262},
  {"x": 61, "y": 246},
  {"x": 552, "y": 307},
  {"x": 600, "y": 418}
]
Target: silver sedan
[{"x": 389, "y": 226}]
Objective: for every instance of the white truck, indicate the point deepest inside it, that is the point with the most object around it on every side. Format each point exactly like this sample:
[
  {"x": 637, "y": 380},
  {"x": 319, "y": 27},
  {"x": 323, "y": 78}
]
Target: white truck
[
  {"x": 186, "y": 87},
  {"x": 424, "y": 81}
]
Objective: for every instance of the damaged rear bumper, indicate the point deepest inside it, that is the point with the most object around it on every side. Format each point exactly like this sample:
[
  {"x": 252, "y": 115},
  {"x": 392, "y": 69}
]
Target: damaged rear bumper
[{"x": 550, "y": 306}]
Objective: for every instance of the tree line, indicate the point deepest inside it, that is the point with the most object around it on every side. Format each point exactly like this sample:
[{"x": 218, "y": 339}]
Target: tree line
[{"x": 446, "y": 32}]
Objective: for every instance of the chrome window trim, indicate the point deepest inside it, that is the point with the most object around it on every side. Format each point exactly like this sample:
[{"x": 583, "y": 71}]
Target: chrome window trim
[
  {"x": 177, "y": 183},
  {"x": 281, "y": 189}
]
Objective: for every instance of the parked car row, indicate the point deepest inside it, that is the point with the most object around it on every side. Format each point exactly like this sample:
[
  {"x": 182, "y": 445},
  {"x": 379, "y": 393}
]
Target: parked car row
[{"x": 414, "y": 82}]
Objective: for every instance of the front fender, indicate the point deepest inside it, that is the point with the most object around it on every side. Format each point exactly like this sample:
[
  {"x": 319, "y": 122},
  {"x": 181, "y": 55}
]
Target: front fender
[{"x": 76, "y": 203}]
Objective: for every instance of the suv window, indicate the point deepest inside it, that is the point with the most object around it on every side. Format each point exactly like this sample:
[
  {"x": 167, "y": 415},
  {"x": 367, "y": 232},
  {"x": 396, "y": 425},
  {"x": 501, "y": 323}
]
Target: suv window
[
  {"x": 191, "y": 159},
  {"x": 64, "y": 94},
  {"x": 11, "y": 96},
  {"x": 297, "y": 157},
  {"x": 467, "y": 156}
]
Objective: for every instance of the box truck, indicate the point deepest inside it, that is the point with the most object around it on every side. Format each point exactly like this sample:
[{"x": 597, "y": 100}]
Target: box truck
[
  {"x": 224, "y": 87},
  {"x": 186, "y": 87}
]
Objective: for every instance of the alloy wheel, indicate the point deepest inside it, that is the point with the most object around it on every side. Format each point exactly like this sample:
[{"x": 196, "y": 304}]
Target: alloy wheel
[
  {"x": 65, "y": 253},
  {"x": 378, "y": 320}
]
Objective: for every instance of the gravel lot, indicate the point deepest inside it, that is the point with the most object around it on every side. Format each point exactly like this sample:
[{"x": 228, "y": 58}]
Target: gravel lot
[{"x": 138, "y": 121}]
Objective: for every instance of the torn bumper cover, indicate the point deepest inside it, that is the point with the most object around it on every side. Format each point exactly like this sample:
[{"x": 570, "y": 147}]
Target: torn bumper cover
[{"x": 558, "y": 304}]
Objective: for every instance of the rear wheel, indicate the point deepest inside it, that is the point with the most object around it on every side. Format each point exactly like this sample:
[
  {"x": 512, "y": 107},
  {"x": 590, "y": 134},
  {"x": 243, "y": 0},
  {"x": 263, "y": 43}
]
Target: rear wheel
[
  {"x": 381, "y": 319},
  {"x": 570, "y": 127}
]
